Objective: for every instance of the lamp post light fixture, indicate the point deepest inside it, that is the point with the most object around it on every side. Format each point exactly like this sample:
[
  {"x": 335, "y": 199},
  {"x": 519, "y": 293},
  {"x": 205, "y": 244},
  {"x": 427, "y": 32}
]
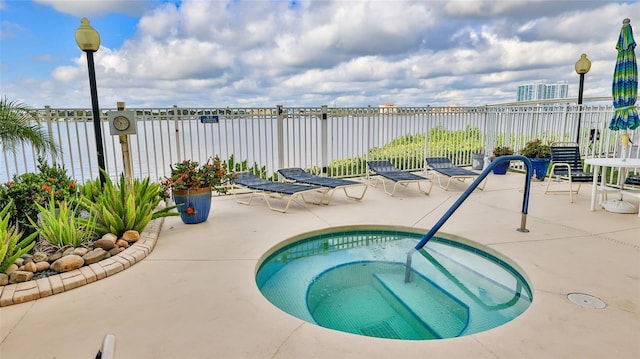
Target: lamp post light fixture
[
  {"x": 88, "y": 40},
  {"x": 582, "y": 67}
]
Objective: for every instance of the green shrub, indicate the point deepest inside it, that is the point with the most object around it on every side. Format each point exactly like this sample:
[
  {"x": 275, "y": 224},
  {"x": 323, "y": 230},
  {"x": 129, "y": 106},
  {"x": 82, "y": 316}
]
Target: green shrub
[
  {"x": 61, "y": 225},
  {"x": 128, "y": 205},
  {"x": 12, "y": 243},
  {"x": 29, "y": 189}
]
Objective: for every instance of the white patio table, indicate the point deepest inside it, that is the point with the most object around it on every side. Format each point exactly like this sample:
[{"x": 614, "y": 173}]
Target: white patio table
[{"x": 623, "y": 167}]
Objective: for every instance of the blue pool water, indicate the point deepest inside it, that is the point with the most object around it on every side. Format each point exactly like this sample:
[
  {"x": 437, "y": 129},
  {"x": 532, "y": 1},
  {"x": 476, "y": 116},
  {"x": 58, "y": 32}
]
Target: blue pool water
[{"x": 354, "y": 281}]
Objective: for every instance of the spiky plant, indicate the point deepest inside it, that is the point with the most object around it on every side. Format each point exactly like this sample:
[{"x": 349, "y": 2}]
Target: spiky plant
[{"x": 12, "y": 245}]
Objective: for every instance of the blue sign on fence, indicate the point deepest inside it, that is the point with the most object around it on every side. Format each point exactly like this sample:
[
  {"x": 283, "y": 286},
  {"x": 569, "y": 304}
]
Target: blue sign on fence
[{"x": 209, "y": 119}]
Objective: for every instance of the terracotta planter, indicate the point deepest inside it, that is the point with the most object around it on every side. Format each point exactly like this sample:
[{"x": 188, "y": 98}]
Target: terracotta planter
[{"x": 196, "y": 204}]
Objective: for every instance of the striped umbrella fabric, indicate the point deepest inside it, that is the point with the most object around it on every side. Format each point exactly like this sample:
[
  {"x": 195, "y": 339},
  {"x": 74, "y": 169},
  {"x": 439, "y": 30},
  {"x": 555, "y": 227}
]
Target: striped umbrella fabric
[{"x": 625, "y": 82}]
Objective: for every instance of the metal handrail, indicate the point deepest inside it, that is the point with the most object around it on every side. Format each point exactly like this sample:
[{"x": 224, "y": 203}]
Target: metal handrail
[{"x": 466, "y": 194}]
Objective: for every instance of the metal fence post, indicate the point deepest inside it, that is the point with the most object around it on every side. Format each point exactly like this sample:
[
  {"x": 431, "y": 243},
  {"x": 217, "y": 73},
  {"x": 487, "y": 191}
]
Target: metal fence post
[
  {"x": 324, "y": 139},
  {"x": 175, "y": 121},
  {"x": 47, "y": 116},
  {"x": 280, "y": 129}
]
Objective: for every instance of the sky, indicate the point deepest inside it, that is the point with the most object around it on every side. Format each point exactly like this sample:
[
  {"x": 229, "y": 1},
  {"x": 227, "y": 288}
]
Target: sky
[{"x": 301, "y": 53}]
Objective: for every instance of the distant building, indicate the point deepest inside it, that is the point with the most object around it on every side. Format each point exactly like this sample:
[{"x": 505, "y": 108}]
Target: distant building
[
  {"x": 542, "y": 91},
  {"x": 388, "y": 107}
]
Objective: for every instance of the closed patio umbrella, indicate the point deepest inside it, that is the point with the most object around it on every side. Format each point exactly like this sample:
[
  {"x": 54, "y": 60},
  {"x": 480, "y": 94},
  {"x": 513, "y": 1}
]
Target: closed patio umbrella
[
  {"x": 625, "y": 91},
  {"x": 625, "y": 82}
]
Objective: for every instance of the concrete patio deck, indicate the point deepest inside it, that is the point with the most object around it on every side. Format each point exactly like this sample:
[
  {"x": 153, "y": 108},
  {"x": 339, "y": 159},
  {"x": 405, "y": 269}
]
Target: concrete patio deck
[{"x": 194, "y": 295}]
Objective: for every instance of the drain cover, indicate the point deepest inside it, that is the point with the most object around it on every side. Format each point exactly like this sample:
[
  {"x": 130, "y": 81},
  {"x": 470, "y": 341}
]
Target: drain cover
[{"x": 586, "y": 300}]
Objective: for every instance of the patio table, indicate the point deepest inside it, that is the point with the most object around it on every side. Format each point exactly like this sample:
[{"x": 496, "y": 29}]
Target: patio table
[{"x": 622, "y": 166}]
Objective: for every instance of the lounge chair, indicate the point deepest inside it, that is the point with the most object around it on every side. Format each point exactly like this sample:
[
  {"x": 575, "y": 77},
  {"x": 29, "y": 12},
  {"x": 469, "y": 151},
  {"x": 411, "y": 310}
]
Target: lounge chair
[
  {"x": 301, "y": 176},
  {"x": 388, "y": 171},
  {"x": 268, "y": 189},
  {"x": 444, "y": 166},
  {"x": 566, "y": 163}
]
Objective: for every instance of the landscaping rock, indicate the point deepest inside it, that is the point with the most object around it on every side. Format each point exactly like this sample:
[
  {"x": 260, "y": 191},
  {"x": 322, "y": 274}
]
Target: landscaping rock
[
  {"x": 110, "y": 236},
  {"x": 20, "y": 276},
  {"x": 19, "y": 262},
  {"x": 42, "y": 266},
  {"x": 40, "y": 257},
  {"x": 131, "y": 236},
  {"x": 68, "y": 251},
  {"x": 11, "y": 268},
  {"x": 104, "y": 243},
  {"x": 122, "y": 243},
  {"x": 30, "y": 267},
  {"x": 80, "y": 251},
  {"x": 94, "y": 256},
  {"x": 55, "y": 256},
  {"x": 4, "y": 279},
  {"x": 115, "y": 251},
  {"x": 67, "y": 263}
]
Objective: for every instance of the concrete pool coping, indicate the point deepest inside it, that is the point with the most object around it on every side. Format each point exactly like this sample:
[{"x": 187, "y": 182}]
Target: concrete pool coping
[{"x": 194, "y": 295}]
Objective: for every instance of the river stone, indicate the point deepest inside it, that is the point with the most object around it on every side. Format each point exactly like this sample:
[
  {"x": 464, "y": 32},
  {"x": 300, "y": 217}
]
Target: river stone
[
  {"x": 104, "y": 243},
  {"x": 55, "y": 256},
  {"x": 131, "y": 236},
  {"x": 42, "y": 266},
  {"x": 80, "y": 251},
  {"x": 68, "y": 251},
  {"x": 116, "y": 250},
  {"x": 20, "y": 276},
  {"x": 111, "y": 237},
  {"x": 94, "y": 256},
  {"x": 19, "y": 262},
  {"x": 122, "y": 243},
  {"x": 4, "y": 279},
  {"x": 67, "y": 263},
  {"x": 11, "y": 268},
  {"x": 40, "y": 257},
  {"x": 30, "y": 267}
]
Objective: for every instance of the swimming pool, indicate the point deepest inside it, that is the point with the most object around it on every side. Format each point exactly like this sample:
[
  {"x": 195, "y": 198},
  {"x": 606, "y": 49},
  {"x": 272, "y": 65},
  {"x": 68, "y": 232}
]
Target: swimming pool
[{"x": 352, "y": 279}]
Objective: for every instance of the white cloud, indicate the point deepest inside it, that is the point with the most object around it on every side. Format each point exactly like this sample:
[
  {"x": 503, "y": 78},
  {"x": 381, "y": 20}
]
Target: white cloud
[
  {"x": 88, "y": 8},
  {"x": 262, "y": 53}
]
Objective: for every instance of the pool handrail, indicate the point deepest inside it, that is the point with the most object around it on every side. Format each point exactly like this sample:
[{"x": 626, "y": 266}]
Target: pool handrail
[{"x": 466, "y": 194}]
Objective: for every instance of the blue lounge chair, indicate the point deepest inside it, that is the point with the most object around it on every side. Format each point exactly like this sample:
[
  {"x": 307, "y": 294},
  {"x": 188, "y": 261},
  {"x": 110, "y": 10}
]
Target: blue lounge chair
[
  {"x": 566, "y": 162},
  {"x": 301, "y": 176},
  {"x": 388, "y": 171},
  {"x": 444, "y": 166},
  {"x": 267, "y": 189}
]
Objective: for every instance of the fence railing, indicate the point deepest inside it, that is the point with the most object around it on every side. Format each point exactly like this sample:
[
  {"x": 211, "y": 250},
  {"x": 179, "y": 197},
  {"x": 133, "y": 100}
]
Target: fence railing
[{"x": 336, "y": 140}]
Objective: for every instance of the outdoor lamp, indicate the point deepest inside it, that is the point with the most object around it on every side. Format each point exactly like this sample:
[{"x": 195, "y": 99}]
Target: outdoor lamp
[
  {"x": 87, "y": 37},
  {"x": 582, "y": 67},
  {"x": 88, "y": 40}
]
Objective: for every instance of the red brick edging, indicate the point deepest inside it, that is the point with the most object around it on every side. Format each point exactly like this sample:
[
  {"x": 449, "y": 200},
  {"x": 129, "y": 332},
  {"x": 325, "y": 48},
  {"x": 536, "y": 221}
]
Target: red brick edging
[{"x": 44, "y": 287}]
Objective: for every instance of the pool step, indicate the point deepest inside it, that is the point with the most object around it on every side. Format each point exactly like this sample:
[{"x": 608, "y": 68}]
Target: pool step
[{"x": 430, "y": 304}]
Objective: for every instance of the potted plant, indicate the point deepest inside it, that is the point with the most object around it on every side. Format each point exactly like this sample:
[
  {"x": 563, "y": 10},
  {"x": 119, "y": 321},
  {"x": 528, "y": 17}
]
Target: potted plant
[
  {"x": 540, "y": 156},
  {"x": 191, "y": 185},
  {"x": 501, "y": 167}
]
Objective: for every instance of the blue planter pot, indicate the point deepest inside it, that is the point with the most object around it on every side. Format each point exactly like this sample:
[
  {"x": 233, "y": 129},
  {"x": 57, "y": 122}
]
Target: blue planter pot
[
  {"x": 501, "y": 168},
  {"x": 540, "y": 167},
  {"x": 195, "y": 204}
]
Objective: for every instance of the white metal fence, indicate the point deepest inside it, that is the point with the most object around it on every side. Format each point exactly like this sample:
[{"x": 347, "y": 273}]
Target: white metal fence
[{"x": 315, "y": 137}]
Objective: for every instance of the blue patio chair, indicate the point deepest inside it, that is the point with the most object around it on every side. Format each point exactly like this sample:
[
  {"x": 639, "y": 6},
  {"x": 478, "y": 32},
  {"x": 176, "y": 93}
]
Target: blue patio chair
[
  {"x": 301, "y": 176},
  {"x": 633, "y": 180},
  {"x": 270, "y": 189},
  {"x": 444, "y": 166},
  {"x": 566, "y": 163},
  {"x": 388, "y": 171}
]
